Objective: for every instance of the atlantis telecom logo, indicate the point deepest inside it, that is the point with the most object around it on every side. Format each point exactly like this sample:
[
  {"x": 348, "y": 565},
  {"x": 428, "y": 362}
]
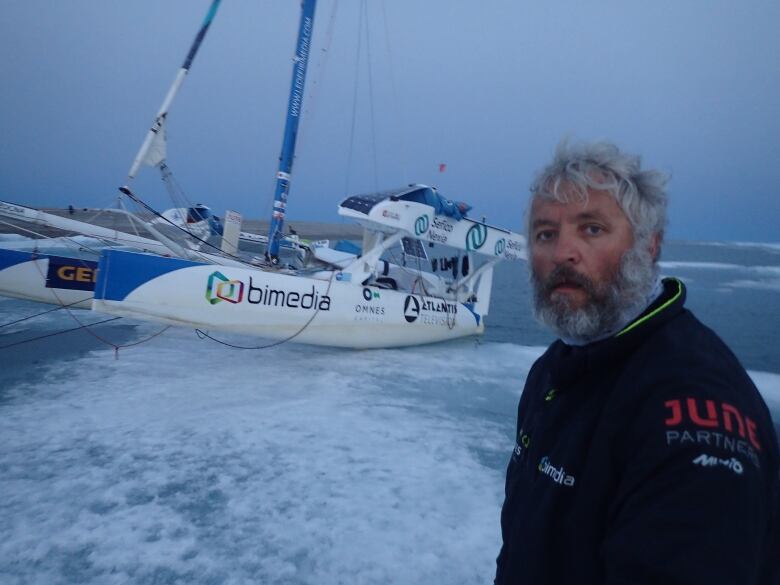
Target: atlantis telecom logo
[
  {"x": 476, "y": 236},
  {"x": 411, "y": 309},
  {"x": 220, "y": 288},
  {"x": 500, "y": 247}
]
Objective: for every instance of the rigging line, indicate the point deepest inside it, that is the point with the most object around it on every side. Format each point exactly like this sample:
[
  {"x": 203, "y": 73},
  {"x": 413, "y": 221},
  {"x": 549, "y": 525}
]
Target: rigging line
[
  {"x": 44, "y": 237},
  {"x": 135, "y": 216},
  {"x": 97, "y": 214},
  {"x": 203, "y": 334},
  {"x": 371, "y": 99},
  {"x": 139, "y": 342},
  {"x": 71, "y": 243},
  {"x": 59, "y": 333},
  {"x": 398, "y": 118},
  {"x": 86, "y": 326},
  {"x": 105, "y": 211},
  {"x": 43, "y": 313},
  {"x": 178, "y": 195},
  {"x": 317, "y": 77},
  {"x": 354, "y": 98},
  {"x": 126, "y": 190},
  {"x": 133, "y": 226}
]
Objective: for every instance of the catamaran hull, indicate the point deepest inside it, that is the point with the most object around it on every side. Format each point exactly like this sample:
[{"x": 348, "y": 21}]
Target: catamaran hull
[
  {"x": 274, "y": 305},
  {"x": 46, "y": 278}
]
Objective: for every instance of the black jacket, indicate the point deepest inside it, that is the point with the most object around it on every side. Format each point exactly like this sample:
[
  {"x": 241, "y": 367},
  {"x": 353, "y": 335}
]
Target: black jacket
[{"x": 648, "y": 457}]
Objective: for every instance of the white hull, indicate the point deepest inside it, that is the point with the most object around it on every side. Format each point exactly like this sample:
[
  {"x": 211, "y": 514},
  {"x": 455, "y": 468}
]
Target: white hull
[
  {"x": 277, "y": 306},
  {"x": 42, "y": 279}
]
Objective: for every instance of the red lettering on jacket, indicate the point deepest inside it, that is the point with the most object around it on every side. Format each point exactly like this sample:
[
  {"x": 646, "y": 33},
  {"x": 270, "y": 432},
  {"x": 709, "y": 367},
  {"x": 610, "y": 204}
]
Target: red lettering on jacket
[
  {"x": 729, "y": 412},
  {"x": 716, "y": 414},
  {"x": 712, "y": 417},
  {"x": 676, "y": 417}
]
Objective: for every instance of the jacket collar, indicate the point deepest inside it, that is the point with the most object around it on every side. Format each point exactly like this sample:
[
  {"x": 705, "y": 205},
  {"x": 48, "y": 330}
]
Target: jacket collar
[{"x": 569, "y": 363}]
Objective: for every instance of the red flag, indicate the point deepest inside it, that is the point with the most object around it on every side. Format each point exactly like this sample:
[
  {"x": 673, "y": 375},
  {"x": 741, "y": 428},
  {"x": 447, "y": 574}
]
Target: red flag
[{"x": 442, "y": 167}]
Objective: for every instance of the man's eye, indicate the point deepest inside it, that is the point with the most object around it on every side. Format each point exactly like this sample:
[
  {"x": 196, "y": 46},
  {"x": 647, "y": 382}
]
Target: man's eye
[
  {"x": 545, "y": 235},
  {"x": 593, "y": 230}
]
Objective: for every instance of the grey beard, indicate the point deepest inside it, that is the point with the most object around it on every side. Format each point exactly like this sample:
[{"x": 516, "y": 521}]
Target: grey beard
[{"x": 610, "y": 305}]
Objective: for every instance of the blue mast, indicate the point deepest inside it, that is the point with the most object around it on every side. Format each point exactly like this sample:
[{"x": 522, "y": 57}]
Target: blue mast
[
  {"x": 201, "y": 34},
  {"x": 275, "y": 232}
]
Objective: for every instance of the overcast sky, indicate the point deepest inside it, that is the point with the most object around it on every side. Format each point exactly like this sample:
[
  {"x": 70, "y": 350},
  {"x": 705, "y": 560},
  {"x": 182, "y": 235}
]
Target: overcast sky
[{"x": 488, "y": 88}]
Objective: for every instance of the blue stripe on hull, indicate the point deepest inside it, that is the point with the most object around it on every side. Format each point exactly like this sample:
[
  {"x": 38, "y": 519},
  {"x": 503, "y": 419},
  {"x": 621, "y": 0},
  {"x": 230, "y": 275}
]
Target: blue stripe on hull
[
  {"x": 10, "y": 258},
  {"x": 120, "y": 273}
]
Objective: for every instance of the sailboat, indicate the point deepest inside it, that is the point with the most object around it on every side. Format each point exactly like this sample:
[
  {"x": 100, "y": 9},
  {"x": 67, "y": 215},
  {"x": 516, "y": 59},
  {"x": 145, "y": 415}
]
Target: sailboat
[{"x": 361, "y": 299}]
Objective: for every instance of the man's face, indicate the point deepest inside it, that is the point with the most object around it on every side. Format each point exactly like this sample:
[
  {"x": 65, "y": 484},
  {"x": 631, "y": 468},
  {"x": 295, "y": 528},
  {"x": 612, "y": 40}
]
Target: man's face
[
  {"x": 584, "y": 279},
  {"x": 589, "y": 238}
]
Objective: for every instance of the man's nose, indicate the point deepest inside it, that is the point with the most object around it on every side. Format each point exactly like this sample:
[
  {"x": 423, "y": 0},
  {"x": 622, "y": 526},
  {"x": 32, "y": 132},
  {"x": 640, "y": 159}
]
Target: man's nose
[{"x": 566, "y": 250}]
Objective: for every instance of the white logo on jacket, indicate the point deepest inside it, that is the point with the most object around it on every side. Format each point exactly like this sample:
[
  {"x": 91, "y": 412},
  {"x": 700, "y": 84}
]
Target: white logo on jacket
[
  {"x": 711, "y": 461},
  {"x": 557, "y": 474}
]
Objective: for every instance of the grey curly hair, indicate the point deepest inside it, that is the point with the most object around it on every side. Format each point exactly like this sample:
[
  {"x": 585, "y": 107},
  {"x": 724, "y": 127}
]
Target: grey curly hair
[{"x": 641, "y": 194}]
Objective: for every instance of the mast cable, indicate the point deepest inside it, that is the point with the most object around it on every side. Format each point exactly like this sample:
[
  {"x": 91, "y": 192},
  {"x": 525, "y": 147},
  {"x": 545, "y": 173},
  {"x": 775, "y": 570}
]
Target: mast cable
[
  {"x": 398, "y": 118},
  {"x": 354, "y": 100},
  {"x": 317, "y": 76},
  {"x": 371, "y": 97}
]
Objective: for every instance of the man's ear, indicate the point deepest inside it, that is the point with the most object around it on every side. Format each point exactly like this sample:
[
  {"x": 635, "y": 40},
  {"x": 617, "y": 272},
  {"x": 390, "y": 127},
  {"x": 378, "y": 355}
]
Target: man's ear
[{"x": 655, "y": 245}]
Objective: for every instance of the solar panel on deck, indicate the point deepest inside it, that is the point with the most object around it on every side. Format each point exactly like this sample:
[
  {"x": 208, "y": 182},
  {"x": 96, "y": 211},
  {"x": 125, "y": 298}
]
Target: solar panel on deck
[
  {"x": 363, "y": 203},
  {"x": 414, "y": 248}
]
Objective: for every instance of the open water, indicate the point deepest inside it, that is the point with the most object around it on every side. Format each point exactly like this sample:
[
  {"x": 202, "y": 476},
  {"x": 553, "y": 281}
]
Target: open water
[{"x": 184, "y": 461}]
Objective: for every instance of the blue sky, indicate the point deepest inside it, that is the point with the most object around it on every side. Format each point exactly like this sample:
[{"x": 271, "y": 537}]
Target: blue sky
[{"x": 488, "y": 88}]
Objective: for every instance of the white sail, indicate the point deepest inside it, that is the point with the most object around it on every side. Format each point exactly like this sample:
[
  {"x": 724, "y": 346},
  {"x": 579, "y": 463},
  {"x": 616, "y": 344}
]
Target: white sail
[{"x": 157, "y": 151}]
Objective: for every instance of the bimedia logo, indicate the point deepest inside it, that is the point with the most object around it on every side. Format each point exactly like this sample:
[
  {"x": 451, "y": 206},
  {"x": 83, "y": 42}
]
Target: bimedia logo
[
  {"x": 421, "y": 225},
  {"x": 220, "y": 288},
  {"x": 500, "y": 247},
  {"x": 476, "y": 236},
  {"x": 557, "y": 474}
]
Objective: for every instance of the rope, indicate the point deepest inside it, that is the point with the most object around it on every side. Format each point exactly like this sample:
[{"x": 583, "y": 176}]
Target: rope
[
  {"x": 59, "y": 333},
  {"x": 86, "y": 326},
  {"x": 42, "y": 313}
]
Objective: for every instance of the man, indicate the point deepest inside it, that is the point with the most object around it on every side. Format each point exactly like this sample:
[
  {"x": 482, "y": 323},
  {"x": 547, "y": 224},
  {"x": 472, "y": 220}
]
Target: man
[{"x": 644, "y": 453}]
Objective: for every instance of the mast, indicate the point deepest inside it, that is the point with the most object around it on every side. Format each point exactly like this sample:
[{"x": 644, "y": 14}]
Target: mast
[
  {"x": 294, "y": 103},
  {"x": 152, "y": 150}
]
